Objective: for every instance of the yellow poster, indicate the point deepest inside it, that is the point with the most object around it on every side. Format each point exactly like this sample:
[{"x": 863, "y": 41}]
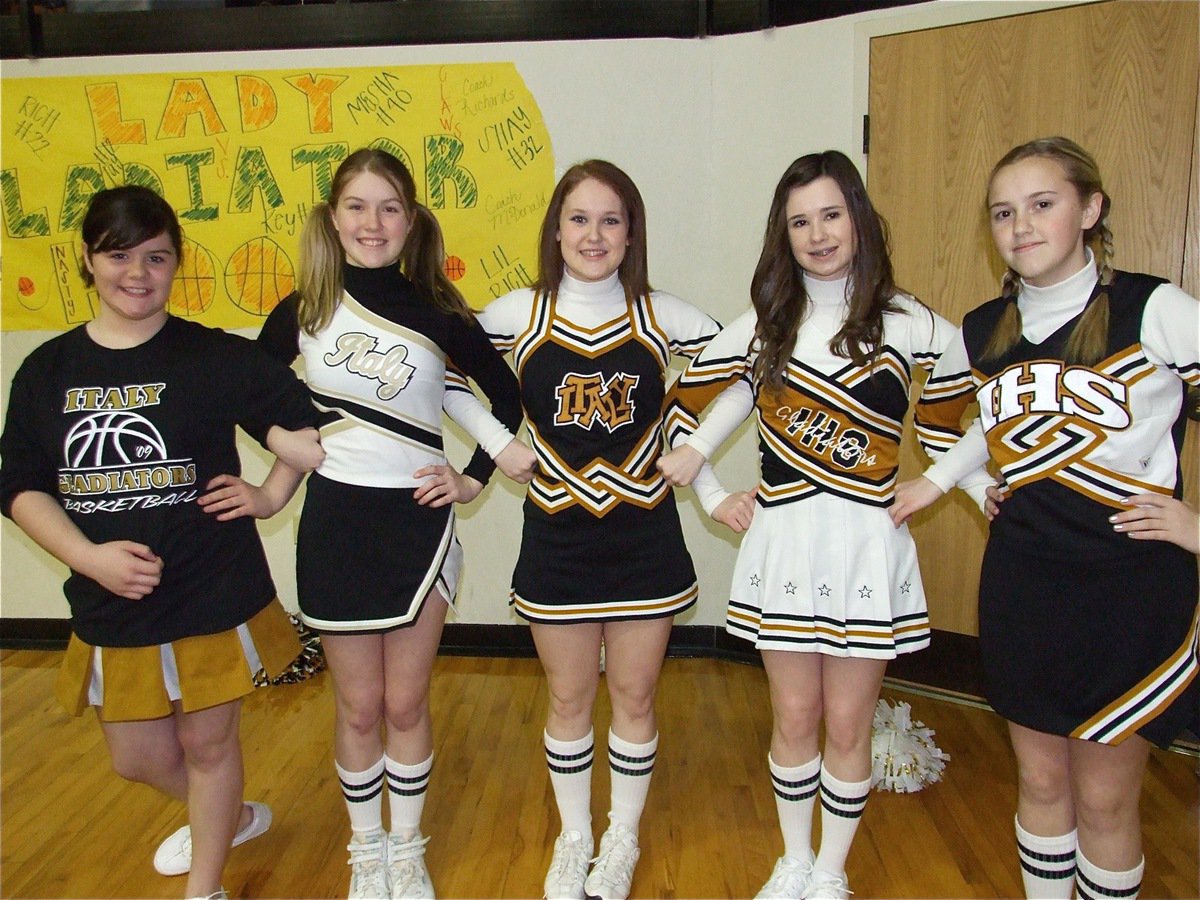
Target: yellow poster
[{"x": 243, "y": 156}]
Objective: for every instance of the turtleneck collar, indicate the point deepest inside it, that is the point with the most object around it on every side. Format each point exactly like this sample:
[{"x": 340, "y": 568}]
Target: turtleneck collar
[
  {"x": 356, "y": 279},
  {"x": 610, "y": 285},
  {"x": 826, "y": 293},
  {"x": 1069, "y": 295}
]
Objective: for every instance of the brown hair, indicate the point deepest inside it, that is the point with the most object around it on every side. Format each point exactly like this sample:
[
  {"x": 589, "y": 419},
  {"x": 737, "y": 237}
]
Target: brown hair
[
  {"x": 1089, "y": 338},
  {"x": 123, "y": 217},
  {"x": 322, "y": 256},
  {"x": 632, "y": 271},
  {"x": 777, "y": 288}
]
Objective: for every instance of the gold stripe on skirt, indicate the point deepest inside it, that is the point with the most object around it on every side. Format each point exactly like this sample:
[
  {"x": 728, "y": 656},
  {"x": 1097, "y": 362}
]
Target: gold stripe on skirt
[{"x": 213, "y": 669}]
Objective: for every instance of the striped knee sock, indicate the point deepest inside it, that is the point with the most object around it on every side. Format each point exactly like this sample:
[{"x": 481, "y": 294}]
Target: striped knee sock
[
  {"x": 570, "y": 764},
  {"x": 364, "y": 797},
  {"x": 842, "y": 805},
  {"x": 1094, "y": 883},
  {"x": 631, "y": 766},
  {"x": 1047, "y": 864},
  {"x": 795, "y": 796},
  {"x": 406, "y": 794}
]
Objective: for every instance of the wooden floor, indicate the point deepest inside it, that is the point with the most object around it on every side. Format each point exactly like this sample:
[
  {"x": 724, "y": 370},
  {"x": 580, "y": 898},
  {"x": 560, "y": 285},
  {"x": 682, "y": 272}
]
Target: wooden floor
[{"x": 71, "y": 828}]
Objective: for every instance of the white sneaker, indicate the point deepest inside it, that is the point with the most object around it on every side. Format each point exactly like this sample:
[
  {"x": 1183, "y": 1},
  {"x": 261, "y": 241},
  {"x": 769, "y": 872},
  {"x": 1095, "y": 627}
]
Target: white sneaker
[
  {"x": 568, "y": 867},
  {"x": 368, "y": 867},
  {"x": 174, "y": 855},
  {"x": 612, "y": 869},
  {"x": 407, "y": 875},
  {"x": 828, "y": 886},
  {"x": 788, "y": 880}
]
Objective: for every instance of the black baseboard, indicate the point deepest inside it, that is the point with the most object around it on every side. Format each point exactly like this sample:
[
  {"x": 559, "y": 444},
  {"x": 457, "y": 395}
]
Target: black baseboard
[
  {"x": 34, "y": 634},
  {"x": 950, "y": 664}
]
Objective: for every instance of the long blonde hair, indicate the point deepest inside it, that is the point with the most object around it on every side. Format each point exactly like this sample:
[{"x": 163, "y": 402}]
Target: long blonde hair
[
  {"x": 322, "y": 257},
  {"x": 1088, "y": 340}
]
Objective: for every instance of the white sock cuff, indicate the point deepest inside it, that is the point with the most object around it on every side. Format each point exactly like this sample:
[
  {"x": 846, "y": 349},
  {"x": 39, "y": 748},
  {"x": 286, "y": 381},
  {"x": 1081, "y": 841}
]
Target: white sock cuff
[
  {"x": 615, "y": 741},
  {"x": 795, "y": 783},
  {"x": 804, "y": 770},
  {"x": 361, "y": 784},
  {"x": 1093, "y": 881},
  {"x": 847, "y": 799},
  {"x": 570, "y": 757},
  {"x": 1059, "y": 843},
  {"x": 631, "y": 759},
  {"x": 408, "y": 780},
  {"x": 579, "y": 744},
  {"x": 358, "y": 777},
  {"x": 1048, "y": 861},
  {"x": 845, "y": 788}
]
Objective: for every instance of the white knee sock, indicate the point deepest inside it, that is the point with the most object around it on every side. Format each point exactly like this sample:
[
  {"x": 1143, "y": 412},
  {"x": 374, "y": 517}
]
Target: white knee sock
[
  {"x": 1047, "y": 864},
  {"x": 631, "y": 766},
  {"x": 795, "y": 796},
  {"x": 842, "y": 805},
  {"x": 406, "y": 794},
  {"x": 364, "y": 797},
  {"x": 570, "y": 764},
  {"x": 1094, "y": 883}
]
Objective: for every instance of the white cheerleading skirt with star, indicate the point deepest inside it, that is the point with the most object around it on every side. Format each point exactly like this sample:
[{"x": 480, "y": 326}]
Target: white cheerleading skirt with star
[{"x": 827, "y": 575}]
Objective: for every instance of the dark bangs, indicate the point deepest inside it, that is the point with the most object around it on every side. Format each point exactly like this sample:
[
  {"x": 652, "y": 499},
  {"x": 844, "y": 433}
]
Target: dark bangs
[{"x": 123, "y": 217}]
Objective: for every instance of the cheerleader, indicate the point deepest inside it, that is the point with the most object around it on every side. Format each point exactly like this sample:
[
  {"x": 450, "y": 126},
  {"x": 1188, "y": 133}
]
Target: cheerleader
[
  {"x": 824, "y": 585},
  {"x": 1088, "y": 594},
  {"x": 602, "y": 556},
  {"x": 381, "y": 328}
]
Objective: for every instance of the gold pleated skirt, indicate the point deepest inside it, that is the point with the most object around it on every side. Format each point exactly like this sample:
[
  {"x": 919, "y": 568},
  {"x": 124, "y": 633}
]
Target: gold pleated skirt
[{"x": 212, "y": 669}]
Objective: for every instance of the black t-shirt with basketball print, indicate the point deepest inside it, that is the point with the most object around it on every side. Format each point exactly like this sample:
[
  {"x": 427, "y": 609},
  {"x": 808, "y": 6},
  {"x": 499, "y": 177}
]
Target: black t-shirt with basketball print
[{"x": 127, "y": 440}]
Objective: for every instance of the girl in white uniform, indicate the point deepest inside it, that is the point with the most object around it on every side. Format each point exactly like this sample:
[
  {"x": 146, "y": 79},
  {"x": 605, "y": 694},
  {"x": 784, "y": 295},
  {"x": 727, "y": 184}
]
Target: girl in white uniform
[
  {"x": 379, "y": 324},
  {"x": 824, "y": 585}
]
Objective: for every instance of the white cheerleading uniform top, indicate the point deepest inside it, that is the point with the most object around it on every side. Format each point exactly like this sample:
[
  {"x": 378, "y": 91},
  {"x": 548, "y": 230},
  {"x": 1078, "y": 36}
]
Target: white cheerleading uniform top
[
  {"x": 836, "y": 426},
  {"x": 381, "y": 370},
  {"x": 391, "y": 429}
]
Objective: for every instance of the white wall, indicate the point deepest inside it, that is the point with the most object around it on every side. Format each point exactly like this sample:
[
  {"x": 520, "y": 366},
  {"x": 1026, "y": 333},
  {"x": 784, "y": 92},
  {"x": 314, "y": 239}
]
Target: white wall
[{"x": 705, "y": 127}]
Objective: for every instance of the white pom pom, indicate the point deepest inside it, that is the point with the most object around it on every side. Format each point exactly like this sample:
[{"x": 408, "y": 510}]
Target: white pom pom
[{"x": 904, "y": 757}]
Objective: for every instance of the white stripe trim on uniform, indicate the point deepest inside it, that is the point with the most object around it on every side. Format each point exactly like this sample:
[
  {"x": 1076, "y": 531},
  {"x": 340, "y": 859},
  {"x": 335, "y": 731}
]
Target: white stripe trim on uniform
[
  {"x": 1150, "y": 697},
  {"x": 552, "y": 613},
  {"x": 878, "y": 639},
  {"x": 433, "y": 577}
]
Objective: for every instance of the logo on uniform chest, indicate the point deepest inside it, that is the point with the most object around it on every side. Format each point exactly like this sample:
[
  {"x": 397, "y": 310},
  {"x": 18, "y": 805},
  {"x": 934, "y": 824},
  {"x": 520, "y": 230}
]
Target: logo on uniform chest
[
  {"x": 824, "y": 435},
  {"x": 1054, "y": 388},
  {"x": 587, "y": 400},
  {"x": 357, "y": 352}
]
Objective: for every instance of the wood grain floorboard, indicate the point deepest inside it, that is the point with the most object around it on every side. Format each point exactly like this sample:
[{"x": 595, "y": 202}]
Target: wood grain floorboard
[{"x": 69, "y": 827}]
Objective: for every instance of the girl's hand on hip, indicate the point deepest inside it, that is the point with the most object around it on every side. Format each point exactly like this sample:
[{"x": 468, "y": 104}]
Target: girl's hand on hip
[
  {"x": 445, "y": 485},
  {"x": 1155, "y": 517}
]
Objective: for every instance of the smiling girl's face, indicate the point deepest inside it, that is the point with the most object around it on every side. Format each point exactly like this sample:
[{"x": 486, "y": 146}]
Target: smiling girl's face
[
  {"x": 134, "y": 284},
  {"x": 371, "y": 221},
  {"x": 1038, "y": 220},
  {"x": 593, "y": 231},
  {"x": 820, "y": 230}
]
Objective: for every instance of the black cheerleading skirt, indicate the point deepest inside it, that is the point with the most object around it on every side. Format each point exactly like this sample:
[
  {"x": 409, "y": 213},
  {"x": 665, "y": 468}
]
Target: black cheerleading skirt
[
  {"x": 630, "y": 564},
  {"x": 1095, "y": 649},
  {"x": 367, "y": 557}
]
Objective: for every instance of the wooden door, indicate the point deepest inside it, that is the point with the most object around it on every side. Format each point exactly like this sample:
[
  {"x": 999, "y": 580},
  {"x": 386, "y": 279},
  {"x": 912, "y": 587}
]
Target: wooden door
[{"x": 1120, "y": 78}]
